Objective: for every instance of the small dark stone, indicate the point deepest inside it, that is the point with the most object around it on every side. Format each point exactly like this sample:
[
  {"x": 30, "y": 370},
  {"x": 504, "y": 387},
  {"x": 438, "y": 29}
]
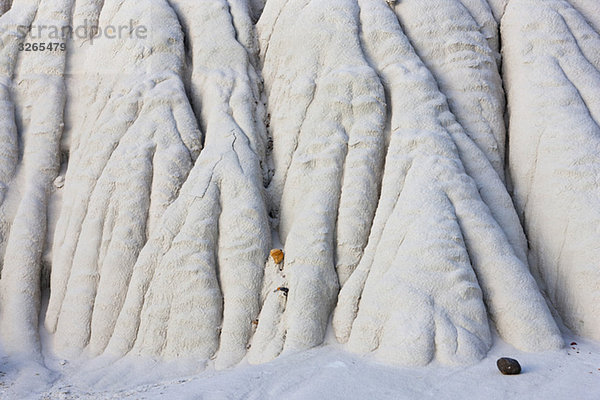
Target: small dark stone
[
  {"x": 282, "y": 289},
  {"x": 573, "y": 344},
  {"x": 508, "y": 366}
]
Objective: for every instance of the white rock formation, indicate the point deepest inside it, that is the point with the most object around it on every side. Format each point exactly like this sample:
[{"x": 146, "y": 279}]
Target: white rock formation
[
  {"x": 458, "y": 41},
  {"x": 589, "y": 10},
  {"x": 196, "y": 286},
  {"x": 153, "y": 173},
  {"x": 38, "y": 91},
  {"x": 436, "y": 245},
  {"x": 198, "y": 278},
  {"x": 552, "y": 73},
  {"x": 423, "y": 129},
  {"x": 327, "y": 116},
  {"x": 132, "y": 145}
]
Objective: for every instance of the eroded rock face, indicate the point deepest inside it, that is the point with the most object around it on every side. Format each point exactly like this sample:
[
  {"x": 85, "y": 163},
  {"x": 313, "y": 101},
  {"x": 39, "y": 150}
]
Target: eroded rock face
[
  {"x": 458, "y": 41},
  {"x": 132, "y": 145},
  {"x": 443, "y": 212},
  {"x": 33, "y": 99},
  {"x": 366, "y": 137},
  {"x": 551, "y": 69}
]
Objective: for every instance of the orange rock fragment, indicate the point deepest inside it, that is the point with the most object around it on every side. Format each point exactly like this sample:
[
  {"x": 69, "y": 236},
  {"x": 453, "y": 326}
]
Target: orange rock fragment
[{"x": 277, "y": 255}]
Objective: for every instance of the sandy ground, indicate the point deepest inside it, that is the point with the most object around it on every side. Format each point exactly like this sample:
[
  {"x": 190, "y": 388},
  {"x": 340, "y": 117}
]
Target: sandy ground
[{"x": 327, "y": 372}]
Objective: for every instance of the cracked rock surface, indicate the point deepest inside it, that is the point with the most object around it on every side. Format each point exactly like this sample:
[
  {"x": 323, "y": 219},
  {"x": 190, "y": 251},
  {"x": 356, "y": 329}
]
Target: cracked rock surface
[{"x": 426, "y": 172}]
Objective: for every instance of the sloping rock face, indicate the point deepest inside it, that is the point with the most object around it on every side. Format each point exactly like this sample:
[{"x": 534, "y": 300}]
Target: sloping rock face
[
  {"x": 552, "y": 71},
  {"x": 151, "y": 172}
]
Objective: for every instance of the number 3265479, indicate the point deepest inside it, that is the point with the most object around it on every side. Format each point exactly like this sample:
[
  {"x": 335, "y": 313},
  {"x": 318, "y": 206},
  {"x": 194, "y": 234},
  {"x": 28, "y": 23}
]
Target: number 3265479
[{"x": 42, "y": 46}]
